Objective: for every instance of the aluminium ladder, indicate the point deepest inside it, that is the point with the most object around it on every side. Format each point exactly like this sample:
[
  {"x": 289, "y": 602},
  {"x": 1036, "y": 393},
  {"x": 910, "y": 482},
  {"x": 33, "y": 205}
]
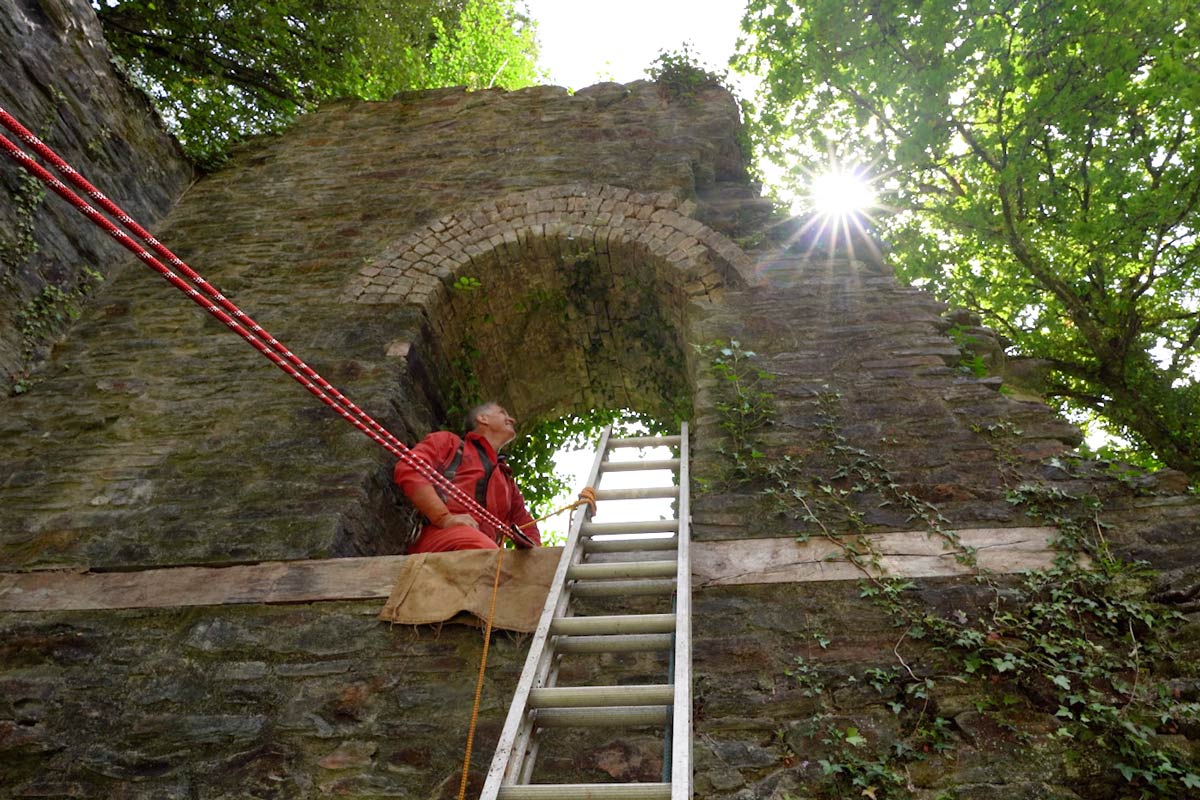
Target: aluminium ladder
[{"x": 622, "y": 570}]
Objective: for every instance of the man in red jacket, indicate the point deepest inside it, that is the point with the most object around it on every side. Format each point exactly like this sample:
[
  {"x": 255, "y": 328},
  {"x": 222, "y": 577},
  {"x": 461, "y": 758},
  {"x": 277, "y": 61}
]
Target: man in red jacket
[{"x": 473, "y": 464}]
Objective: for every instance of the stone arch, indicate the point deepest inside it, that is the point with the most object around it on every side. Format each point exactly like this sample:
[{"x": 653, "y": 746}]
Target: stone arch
[
  {"x": 412, "y": 270},
  {"x": 560, "y": 298}
]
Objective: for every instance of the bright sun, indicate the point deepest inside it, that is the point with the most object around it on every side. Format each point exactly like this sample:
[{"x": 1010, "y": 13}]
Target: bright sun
[{"x": 841, "y": 193}]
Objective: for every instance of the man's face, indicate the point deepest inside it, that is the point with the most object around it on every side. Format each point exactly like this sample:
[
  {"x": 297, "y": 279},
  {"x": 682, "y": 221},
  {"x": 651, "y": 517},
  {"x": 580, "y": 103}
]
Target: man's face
[{"x": 498, "y": 420}]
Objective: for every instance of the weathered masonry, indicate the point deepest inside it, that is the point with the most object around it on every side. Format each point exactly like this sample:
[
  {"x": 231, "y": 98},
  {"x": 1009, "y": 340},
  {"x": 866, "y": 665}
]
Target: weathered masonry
[{"x": 193, "y": 552}]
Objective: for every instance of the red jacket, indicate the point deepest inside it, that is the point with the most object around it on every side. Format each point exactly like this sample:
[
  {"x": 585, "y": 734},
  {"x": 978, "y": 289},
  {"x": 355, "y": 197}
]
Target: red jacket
[{"x": 503, "y": 497}]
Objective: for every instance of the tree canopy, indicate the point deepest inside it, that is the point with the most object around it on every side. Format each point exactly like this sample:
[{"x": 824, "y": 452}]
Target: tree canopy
[
  {"x": 1039, "y": 163},
  {"x": 223, "y": 70}
]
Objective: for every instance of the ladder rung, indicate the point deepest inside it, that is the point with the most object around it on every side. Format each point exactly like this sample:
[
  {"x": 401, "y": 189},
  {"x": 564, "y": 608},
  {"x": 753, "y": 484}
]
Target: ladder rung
[
  {"x": 607, "y": 717},
  {"x": 599, "y": 696},
  {"x": 618, "y": 623},
  {"x": 631, "y": 466},
  {"x": 586, "y": 791},
  {"x": 623, "y": 643},
  {"x": 644, "y": 493},
  {"x": 623, "y": 569},
  {"x": 649, "y": 526},
  {"x": 622, "y": 588},
  {"x": 644, "y": 441},
  {"x": 642, "y": 543}
]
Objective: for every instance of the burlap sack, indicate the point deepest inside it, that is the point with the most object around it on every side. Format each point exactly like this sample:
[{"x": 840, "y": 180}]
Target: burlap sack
[{"x": 439, "y": 587}]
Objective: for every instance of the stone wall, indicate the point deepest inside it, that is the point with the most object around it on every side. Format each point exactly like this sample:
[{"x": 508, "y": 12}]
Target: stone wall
[
  {"x": 59, "y": 82},
  {"x": 176, "y": 443},
  {"x": 557, "y": 252},
  {"x": 883, "y": 428}
]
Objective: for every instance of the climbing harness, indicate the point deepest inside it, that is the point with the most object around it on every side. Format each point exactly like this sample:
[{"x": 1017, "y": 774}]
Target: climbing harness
[{"x": 216, "y": 304}]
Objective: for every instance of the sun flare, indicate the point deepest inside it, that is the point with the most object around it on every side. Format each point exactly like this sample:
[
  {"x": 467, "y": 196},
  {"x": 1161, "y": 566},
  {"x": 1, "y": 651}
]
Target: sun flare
[{"x": 841, "y": 193}]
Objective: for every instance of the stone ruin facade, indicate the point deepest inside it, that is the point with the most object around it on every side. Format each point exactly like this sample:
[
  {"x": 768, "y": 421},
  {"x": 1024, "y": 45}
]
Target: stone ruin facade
[{"x": 560, "y": 252}]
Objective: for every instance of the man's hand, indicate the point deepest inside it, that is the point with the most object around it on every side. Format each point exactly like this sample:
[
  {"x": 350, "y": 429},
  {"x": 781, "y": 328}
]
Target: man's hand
[{"x": 452, "y": 520}]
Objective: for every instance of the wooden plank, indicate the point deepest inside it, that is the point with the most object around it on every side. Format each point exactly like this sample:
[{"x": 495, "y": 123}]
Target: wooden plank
[
  {"x": 272, "y": 582},
  {"x": 911, "y": 554}
]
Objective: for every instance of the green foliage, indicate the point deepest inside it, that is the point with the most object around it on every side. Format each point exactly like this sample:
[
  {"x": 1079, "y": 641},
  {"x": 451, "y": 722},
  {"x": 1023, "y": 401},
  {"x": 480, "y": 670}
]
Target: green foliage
[
  {"x": 682, "y": 74},
  {"x": 491, "y": 45},
  {"x": 807, "y": 676},
  {"x": 847, "y": 770},
  {"x": 1084, "y": 644},
  {"x": 465, "y": 283},
  {"x": 533, "y": 452},
  {"x": 462, "y": 389},
  {"x": 971, "y": 363},
  {"x": 223, "y": 70},
  {"x": 47, "y": 313},
  {"x": 1041, "y": 163},
  {"x": 55, "y": 306},
  {"x": 17, "y": 243},
  {"x": 743, "y": 403}
]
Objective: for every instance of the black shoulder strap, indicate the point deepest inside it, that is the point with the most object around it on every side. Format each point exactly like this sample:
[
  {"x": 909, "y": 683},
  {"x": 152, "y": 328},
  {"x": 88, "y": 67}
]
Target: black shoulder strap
[
  {"x": 451, "y": 469},
  {"x": 488, "y": 467}
]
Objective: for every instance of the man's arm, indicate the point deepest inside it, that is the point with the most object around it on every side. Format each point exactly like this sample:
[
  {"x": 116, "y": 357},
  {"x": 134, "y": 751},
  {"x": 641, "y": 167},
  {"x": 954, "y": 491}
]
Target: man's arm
[
  {"x": 426, "y": 500},
  {"x": 434, "y": 450}
]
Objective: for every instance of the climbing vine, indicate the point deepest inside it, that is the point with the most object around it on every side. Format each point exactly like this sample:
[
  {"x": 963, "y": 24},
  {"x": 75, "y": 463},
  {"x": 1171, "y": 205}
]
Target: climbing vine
[
  {"x": 45, "y": 315},
  {"x": 17, "y": 243},
  {"x": 1080, "y": 643},
  {"x": 743, "y": 403}
]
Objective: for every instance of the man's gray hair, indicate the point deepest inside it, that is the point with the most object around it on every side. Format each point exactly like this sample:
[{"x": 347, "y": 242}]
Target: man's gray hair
[{"x": 478, "y": 411}]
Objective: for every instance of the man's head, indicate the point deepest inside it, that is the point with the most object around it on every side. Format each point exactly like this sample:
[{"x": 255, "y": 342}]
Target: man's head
[{"x": 492, "y": 422}]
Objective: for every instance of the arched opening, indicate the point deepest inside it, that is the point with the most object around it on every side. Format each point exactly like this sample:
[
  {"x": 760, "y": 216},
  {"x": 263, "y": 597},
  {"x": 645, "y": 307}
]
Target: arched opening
[
  {"x": 563, "y": 329},
  {"x": 556, "y": 301}
]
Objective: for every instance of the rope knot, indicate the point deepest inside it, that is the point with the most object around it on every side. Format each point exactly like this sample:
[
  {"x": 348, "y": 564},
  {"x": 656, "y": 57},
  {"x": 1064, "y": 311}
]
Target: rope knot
[{"x": 588, "y": 495}]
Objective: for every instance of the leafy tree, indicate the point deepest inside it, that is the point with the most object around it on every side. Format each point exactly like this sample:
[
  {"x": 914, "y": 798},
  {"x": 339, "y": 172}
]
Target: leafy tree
[
  {"x": 223, "y": 70},
  {"x": 1041, "y": 160},
  {"x": 474, "y": 55}
]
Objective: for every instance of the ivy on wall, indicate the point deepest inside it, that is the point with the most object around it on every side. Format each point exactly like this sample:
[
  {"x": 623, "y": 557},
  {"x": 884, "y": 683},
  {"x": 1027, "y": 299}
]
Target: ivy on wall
[{"x": 1080, "y": 643}]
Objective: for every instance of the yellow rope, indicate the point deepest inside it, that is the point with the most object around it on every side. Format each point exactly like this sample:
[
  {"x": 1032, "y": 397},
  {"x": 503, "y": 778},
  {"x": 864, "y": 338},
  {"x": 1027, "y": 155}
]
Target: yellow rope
[
  {"x": 586, "y": 497},
  {"x": 487, "y": 638}
]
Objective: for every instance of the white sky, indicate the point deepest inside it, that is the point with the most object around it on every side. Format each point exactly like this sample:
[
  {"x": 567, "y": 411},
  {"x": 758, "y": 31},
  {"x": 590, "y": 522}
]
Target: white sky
[{"x": 585, "y": 43}]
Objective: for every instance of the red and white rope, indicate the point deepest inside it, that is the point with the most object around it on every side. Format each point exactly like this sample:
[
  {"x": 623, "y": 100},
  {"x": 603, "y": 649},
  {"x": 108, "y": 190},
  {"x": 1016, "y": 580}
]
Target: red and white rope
[{"x": 216, "y": 304}]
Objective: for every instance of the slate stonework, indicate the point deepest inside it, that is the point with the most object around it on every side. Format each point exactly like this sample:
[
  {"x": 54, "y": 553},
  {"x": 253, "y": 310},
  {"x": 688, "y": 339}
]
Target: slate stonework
[
  {"x": 175, "y": 442},
  {"x": 59, "y": 82}
]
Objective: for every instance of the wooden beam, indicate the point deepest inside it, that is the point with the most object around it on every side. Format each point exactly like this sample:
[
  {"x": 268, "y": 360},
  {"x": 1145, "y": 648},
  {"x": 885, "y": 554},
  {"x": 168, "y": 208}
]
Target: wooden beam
[
  {"x": 907, "y": 554},
  {"x": 911, "y": 554},
  {"x": 270, "y": 582}
]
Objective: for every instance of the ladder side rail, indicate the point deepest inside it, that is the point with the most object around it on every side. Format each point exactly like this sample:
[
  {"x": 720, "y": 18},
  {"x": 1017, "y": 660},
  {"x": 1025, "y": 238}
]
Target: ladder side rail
[
  {"x": 681, "y": 724},
  {"x": 540, "y": 659}
]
